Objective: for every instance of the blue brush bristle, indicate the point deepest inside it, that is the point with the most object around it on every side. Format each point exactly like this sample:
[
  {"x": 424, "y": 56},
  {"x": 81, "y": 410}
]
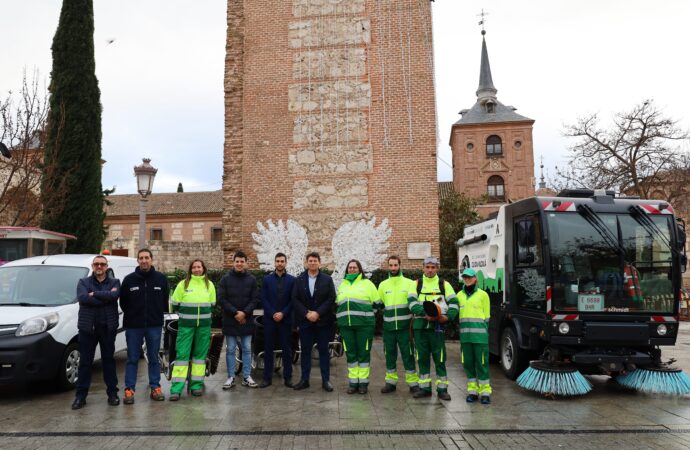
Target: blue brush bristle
[
  {"x": 554, "y": 383},
  {"x": 656, "y": 381}
]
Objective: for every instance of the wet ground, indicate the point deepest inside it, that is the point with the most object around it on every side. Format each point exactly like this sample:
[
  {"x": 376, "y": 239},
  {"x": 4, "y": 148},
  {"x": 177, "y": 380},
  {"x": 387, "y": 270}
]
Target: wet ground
[{"x": 277, "y": 417}]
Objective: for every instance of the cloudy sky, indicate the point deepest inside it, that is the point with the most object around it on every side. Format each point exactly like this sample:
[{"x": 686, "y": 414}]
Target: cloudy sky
[{"x": 161, "y": 78}]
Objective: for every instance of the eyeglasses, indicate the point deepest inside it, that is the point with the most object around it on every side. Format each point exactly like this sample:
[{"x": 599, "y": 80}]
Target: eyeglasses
[{"x": 100, "y": 264}]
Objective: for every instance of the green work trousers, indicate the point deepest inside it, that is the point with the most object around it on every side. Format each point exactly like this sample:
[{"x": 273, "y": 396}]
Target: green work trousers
[
  {"x": 392, "y": 340},
  {"x": 475, "y": 361},
  {"x": 357, "y": 343},
  {"x": 192, "y": 344},
  {"x": 429, "y": 343}
]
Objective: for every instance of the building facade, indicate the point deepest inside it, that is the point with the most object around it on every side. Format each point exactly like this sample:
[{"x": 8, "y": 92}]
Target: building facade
[
  {"x": 180, "y": 226},
  {"x": 492, "y": 147},
  {"x": 330, "y": 128}
]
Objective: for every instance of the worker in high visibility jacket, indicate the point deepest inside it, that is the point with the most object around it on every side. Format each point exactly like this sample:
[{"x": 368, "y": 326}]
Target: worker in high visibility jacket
[
  {"x": 193, "y": 300},
  {"x": 474, "y": 337},
  {"x": 428, "y": 337},
  {"x": 355, "y": 315},
  {"x": 396, "y": 327}
]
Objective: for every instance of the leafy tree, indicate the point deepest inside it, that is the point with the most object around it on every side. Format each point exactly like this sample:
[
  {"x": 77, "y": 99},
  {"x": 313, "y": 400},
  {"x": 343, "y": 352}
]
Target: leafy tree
[
  {"x": 639, "y": 154},
  {"x": 455, "y": 212},
  {"x": 73, "y": 142}
]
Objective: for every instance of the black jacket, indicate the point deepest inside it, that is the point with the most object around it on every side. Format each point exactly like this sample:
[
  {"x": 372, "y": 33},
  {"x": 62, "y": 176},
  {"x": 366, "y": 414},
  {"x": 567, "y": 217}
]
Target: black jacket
[
  {"x": 237, "y": 291},
  {"x": 144, "y": 298},
  {"x": 102, "y": 303},
  {"x": 323, "y": 300}
]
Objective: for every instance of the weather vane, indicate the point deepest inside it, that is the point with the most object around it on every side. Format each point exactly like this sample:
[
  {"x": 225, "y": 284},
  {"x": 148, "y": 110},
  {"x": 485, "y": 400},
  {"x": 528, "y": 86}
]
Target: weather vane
[{"x": 483, "y": 19}]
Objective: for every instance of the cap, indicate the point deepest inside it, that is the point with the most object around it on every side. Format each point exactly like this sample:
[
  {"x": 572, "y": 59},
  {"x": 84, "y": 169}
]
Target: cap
[
  {"x": 469, "y": 273},
  {"x": 431, "y": 260}
]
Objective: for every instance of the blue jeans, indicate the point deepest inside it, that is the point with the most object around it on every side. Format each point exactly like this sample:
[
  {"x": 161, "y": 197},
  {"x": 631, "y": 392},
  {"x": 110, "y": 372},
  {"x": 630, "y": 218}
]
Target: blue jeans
[
  {"x": 246, "y": 343},
  {"x": 135, "y": 339}
]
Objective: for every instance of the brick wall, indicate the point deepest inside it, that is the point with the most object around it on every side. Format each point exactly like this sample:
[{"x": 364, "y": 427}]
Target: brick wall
[{"x": 330, "y": 117}]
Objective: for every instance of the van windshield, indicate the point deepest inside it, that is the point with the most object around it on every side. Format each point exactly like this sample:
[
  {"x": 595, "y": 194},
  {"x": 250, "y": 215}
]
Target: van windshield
[{"x": 39, "y": 285}]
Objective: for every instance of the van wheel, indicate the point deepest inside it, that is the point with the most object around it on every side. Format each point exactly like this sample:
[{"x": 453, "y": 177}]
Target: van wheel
[
  {"x": 513, "y": 359},
  {"x": 69, "y": 365}
]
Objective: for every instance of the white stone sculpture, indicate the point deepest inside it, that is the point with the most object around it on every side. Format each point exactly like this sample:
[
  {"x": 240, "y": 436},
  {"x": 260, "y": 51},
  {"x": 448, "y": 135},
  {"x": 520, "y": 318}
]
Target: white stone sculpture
[
  {"x": 363, "y": 241},
  {"x": 289, "y": 238}
]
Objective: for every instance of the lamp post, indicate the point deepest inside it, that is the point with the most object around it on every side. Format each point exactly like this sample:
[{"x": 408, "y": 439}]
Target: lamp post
[{"x": 145, "y": 174}]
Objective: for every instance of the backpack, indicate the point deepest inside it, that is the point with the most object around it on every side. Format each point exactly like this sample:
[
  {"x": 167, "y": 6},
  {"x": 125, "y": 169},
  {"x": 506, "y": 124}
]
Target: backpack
[{"x": 441, "y": 286}]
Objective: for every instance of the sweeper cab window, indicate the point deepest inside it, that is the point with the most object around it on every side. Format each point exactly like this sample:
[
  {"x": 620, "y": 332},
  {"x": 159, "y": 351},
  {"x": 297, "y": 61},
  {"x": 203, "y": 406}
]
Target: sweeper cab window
[{"x": 611, "y": 263}]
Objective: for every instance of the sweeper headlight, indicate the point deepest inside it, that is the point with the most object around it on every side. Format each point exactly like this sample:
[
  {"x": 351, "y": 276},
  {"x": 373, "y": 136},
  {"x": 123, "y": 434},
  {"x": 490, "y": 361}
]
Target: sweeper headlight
[
  {"x": 564, "y": 328},
  {"x": 661, "y": 330}
]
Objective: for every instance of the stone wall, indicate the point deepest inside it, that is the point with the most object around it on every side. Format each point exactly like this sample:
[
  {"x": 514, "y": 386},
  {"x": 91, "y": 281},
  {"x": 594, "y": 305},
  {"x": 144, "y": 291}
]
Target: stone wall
[{"x": 171, "y": 255}]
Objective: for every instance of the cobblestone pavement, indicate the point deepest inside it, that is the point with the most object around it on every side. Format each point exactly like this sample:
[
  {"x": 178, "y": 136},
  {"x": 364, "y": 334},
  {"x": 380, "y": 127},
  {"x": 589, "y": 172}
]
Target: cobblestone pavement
[{"x": 277, "y": 417}]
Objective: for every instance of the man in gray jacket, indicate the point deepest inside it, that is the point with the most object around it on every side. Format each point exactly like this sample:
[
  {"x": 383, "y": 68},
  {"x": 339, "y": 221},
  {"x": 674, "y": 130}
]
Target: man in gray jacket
[{"x": 238, "y": 295}]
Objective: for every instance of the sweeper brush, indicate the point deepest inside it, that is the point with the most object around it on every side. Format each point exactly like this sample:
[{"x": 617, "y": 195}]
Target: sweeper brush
[
  {"x": 560, "y": 379},
  {"x": 659, "y": 380}
]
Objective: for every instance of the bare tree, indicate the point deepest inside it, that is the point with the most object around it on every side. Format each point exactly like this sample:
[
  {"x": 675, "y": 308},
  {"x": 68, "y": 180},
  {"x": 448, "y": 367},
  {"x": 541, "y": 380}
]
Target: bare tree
[
  {"x": 22, "y": 124},
  {"x": 640, "y": 154}
]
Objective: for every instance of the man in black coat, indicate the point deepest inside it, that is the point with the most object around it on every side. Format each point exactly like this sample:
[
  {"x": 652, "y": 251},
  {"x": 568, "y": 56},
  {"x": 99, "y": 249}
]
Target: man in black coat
[
  {"x": 313, "y": 300},
  {"x": 238, "y": 295},
  {"x": 97, "y": 323},
  {"x": 144, "y": 298}
]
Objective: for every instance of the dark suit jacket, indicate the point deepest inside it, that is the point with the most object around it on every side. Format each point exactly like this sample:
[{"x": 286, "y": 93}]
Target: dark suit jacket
[
  {"x": 324, "y": 299},
  {"x": 269, "y": 296}
]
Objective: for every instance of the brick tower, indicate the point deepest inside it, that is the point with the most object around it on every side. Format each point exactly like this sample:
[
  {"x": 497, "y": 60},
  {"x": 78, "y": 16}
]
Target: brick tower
[
  {"x": 330, "y": 120},
  {"x": 492, "y": 147}
]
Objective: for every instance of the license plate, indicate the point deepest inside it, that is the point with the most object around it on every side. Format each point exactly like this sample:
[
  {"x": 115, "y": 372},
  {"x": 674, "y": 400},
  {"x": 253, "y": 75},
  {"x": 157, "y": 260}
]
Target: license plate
[{"x": 590, "y": 302}]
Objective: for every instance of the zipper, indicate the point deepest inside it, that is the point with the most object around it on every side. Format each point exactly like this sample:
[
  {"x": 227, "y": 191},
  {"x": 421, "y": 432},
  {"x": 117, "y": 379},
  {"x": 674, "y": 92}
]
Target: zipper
[{"x": 146, "y": 303}]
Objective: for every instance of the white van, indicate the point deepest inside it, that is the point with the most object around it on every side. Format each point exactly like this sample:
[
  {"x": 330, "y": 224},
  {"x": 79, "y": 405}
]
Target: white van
[{"x": 38, "y": 317}]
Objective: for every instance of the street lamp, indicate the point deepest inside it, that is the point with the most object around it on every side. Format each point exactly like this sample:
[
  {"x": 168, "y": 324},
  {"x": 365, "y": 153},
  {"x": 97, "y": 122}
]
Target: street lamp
[{"x": 145, "y": 174}]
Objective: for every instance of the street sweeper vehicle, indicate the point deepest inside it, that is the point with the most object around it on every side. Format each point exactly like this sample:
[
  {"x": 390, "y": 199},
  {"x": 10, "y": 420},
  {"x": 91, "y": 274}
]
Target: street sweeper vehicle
[{"x": 581, "y": 283}]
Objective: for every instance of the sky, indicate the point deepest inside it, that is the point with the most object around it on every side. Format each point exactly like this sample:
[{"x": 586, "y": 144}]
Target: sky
[{"x": 161, "y": 79}]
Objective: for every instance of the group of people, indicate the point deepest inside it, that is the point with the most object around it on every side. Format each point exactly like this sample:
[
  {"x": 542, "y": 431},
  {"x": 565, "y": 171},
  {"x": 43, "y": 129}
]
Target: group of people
[{"x": 414, "y": 314}]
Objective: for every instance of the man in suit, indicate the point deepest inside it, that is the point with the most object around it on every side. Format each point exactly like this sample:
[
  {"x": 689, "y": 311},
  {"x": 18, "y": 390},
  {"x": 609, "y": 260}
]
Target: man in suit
[
  {"x": 276, "y": 296},
  {"x": 313, "y": 299}
]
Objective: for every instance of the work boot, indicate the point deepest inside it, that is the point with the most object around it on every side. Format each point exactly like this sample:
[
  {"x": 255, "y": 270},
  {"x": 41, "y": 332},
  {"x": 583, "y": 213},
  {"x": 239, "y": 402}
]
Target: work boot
[
  {"x": 363, "y": 388},
  {"x": 157, "y": 394},
  {"x": 485, "y": 399},
  {"x": 174, "y": 397},
  {"x": 471, "y": 398},
  {"x": 352, "y": 389},
  {"x": 129, "y": 396},
  {"x": 113, "y": 400},
  {"x": 198, "y": 392},
  {"x": 388, "y": 388},
  {"x": 421, "y": 394},
  {"x": 414, "y": 389},
  {"x": 443, "y": 395}
]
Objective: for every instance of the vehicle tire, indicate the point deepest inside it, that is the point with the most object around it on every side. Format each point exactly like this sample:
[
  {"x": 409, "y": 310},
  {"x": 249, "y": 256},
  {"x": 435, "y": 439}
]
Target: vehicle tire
[
  {"x": 513, "y": 360},
  {"x": 69, "y": 364}
]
